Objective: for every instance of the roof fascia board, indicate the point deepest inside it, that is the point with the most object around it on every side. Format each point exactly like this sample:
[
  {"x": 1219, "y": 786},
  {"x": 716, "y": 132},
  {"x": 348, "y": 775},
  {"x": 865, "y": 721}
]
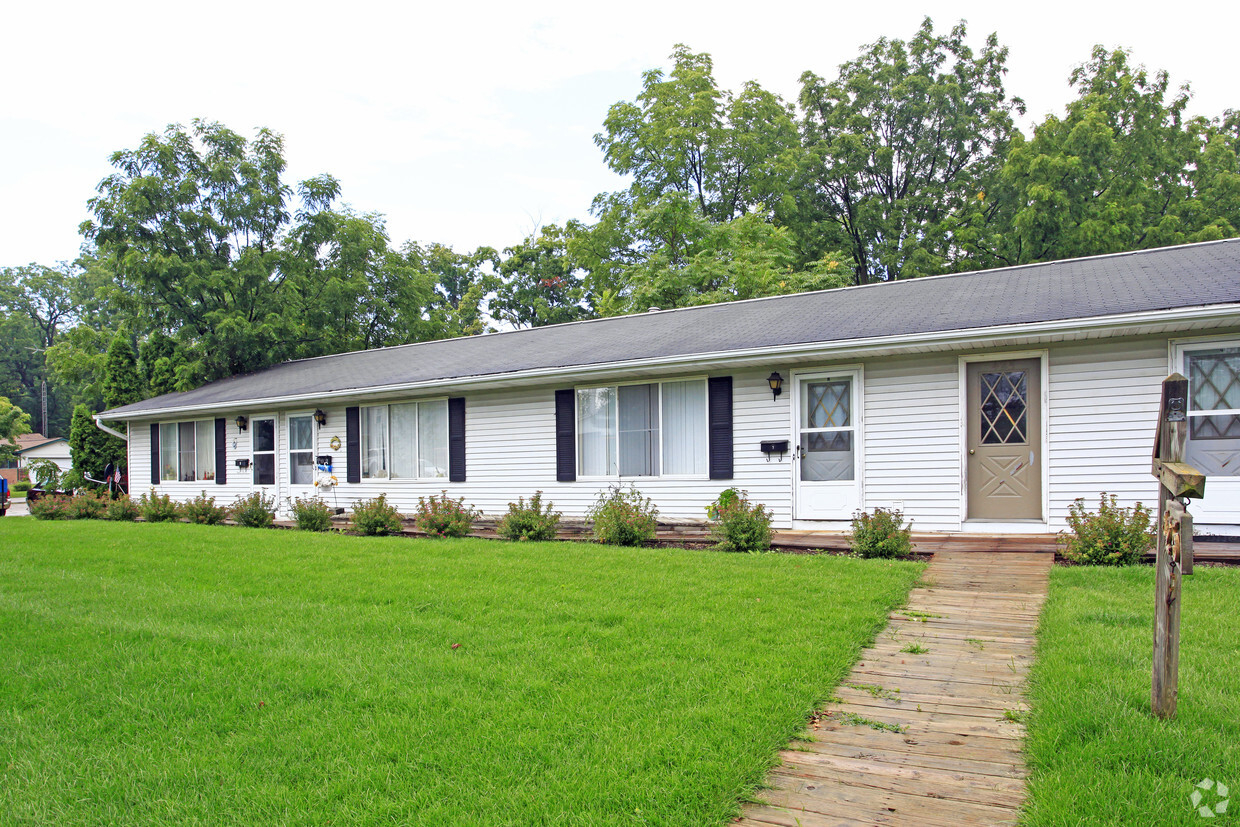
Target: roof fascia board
[{"x": 1131, "y": 323}]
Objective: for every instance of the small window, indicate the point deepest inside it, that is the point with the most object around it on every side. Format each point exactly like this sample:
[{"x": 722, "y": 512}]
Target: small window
[
  {"x": 169, "y": 463},
  {"x": 375, "y": 443},
  {"x": 650, "y": 430},
  {"x": 1214, "y": 411}
]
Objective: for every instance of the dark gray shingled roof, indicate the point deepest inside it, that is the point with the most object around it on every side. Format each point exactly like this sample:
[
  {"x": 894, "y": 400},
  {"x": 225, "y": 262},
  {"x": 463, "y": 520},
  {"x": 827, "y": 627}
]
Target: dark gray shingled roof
[{"x": 1162, "y": 279}]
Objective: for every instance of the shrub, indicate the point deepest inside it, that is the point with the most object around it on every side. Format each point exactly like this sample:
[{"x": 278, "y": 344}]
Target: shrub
[
  {"x": 22, "y": 486},
  {"x": 443, "y": 516},
  {"x": 51, "y": 507},
  {"x": 881, "y": 534},
  {"x": 529, "y": 522},
  {"x": 45, "y": 473},
  {"x": 121, "y": 509},
  {"x": 624, "y": 517},
  {"x": 158, "y": 508},
  {"x": 376, "y": 517},
  {"x": 1111, "y": 536},
  {"x": 202, "y": 509},
  {"x": 737, "y": 524},
  {"x": 311, "y": 514},
  {"x": 255, "y": 510},
  {"x": 89, "y": 505}
]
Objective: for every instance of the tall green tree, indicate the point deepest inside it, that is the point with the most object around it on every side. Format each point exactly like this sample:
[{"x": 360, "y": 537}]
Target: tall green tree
[
  {"x": 539, "y": 282},
  {"x": 122, "y": 384},
  {"x": 894, "y": 149},
  {"x": 91, "y": 449}
]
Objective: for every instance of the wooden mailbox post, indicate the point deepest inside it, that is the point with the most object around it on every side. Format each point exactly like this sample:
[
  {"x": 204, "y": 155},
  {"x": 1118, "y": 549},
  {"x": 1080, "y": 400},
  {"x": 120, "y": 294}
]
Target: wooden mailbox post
[{"x": 1177, "y": 482}]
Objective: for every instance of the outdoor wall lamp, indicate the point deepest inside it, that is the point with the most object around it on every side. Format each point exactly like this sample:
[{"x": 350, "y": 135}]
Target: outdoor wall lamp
[
  {"x": 241, "y": 423},
  {"x": 777, "y": 384},
  {"x": 320, "y": 417}
]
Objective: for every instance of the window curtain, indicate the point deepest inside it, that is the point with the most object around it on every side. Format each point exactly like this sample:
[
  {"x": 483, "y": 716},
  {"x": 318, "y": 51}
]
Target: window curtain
[
  {"x": 186, "y": 453},
  {"x": 404, "y": 422},
  {"x": 433, "y": 439},
  {"x": 168, "y": 451},
  {"x": 597, "y": 412},
  {"x": 684, "y": 427},
  {"x": 639, "y": 430},
  {"x": 375, "y": 442},
  {"x": 204, "y": 450}
]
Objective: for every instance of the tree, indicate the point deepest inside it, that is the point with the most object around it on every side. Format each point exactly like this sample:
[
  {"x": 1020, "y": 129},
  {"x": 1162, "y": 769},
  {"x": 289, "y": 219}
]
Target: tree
[
  {"x": 211, "y": 249},
  {"x": 13, "y": 423},
  {"x": 1124, "y": 169},
  {"x": 121, "y": 382},
  {"x": 894, "y": 149},
  {"x": 540, "y": 284},
  {"x": 92, "y": 450}
]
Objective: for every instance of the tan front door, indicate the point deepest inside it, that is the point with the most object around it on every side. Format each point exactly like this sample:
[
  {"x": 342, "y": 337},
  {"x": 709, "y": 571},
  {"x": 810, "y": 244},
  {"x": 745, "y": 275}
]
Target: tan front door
[{"x": 1004, "y": 439}]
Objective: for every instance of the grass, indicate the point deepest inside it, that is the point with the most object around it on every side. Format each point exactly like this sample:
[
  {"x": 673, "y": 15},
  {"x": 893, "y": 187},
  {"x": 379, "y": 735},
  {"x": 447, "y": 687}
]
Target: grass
[
  {"x": 1096, "y": 753},
  {"x": 184, "y": 674}
]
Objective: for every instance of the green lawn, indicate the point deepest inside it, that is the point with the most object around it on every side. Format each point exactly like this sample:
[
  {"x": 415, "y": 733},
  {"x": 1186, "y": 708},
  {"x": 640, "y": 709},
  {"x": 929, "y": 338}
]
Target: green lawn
[
  {"x": 178, "y": 674},
  {"x": 1096, "y": 753}
]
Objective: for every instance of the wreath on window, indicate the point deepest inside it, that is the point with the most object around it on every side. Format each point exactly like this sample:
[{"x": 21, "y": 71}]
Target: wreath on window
[{"x": 335, "y": 443}]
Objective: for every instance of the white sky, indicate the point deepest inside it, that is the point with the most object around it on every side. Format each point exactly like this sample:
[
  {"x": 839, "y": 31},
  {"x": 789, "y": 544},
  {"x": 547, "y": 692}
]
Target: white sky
[{"x": 472, "y": 124}]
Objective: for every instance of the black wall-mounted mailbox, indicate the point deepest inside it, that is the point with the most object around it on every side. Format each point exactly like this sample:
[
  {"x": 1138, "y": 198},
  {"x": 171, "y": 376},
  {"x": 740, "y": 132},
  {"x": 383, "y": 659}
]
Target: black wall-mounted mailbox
[
  {"x": 242, "y": 463},
  {"x": 779, "y": 446}
]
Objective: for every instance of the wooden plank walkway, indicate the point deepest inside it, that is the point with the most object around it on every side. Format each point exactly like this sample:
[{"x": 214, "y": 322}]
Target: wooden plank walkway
[{"x": 955, "y": 757}]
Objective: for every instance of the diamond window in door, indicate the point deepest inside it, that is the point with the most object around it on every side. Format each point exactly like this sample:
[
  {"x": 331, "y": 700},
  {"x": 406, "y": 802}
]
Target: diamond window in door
[
  {"x": 1005, "y": 398},
  {"x": 828, "y": 404},
  {"x": 1214, "y": 383}
]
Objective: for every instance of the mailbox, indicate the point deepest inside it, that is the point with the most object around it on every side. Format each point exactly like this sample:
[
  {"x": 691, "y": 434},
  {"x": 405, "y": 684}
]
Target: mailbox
[{"x": 779, "y": 446}]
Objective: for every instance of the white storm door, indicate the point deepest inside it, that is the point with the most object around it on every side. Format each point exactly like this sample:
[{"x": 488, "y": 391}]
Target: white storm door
[
  {"x": 299, "y": 457},
  {"x": 1213, "y": 373},
  {"x": 827, "y": 479}
]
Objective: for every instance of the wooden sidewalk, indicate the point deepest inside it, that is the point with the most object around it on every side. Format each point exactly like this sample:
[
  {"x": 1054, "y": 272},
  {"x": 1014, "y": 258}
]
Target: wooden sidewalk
[{"x": 927, "y": 737}]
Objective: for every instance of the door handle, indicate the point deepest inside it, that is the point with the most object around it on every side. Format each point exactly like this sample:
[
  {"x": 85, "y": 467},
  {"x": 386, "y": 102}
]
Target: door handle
[{"x": 972, "y": 452}]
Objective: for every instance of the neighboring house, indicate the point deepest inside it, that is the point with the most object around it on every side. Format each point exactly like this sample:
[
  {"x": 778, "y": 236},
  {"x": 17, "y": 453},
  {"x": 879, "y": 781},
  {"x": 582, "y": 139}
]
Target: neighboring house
[
  {"x": 37, "y": 446},
  {"x": 982, "y": 401}
]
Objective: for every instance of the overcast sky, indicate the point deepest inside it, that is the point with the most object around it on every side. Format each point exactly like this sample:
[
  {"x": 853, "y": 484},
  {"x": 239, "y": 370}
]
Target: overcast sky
[{"x": 472, "y": 124}]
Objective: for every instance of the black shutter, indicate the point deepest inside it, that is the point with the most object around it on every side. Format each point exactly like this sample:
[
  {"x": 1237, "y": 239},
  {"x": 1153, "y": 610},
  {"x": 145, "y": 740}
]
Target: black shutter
[
  {"x": 456, "y": 439},
  {"x": 566, "y": 435},
  {"x": 719, "y": 416},
  {"x": 353, "y": 444},
  {"x": 154, "y": 453},
  {"x": 221, "y": 451}
]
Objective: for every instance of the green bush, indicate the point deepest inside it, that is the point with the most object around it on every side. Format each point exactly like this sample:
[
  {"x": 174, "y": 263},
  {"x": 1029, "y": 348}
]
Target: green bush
[
  {"x": 121, "y": 509},
  {"x": 158, "y": 508},
  {"x": 443, "y": 516},
  {"x": 529, "y": 522},
  {"x": 376, "y": 517},
  {"x": 45, "y": 473},
  {"x": 737, "y": 524},
  {"x": 203, "y": 510},
  {"x": 89, "y": 505},
  {"x": 311, "y": 514},
  {"x": 51, "y": 507},
  {"x": 255, "y": 510},
  {"x": 1110, "y": 536},
  {"x": 22, "y": 486},
  {"x": 881, "y": 534},
  {"x": 624, "y": 517}
]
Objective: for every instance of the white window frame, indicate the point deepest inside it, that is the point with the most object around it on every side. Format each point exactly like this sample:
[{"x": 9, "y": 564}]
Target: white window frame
[
  {"x": 175, "y": 427},
  {"x": 417, "y": 436},
  {"x": 705, "y": 424},
  {"x": 288, "y": 447}
]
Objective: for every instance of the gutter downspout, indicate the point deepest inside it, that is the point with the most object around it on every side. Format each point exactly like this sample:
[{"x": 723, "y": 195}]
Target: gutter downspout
[{"x": 99, "y": 424}]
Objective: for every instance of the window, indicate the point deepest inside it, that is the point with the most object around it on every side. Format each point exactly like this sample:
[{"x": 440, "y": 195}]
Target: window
[
  {"x": 827, "y": 429},
  {"x": 264, "y": 450},
  {"x": 1214, "y": 410},
  {"x": 301, "y": 450},
  {"x": 643, "y": 430},
  {"x": 406, "y": 441},
  {"x": 187, "y": 451}
]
